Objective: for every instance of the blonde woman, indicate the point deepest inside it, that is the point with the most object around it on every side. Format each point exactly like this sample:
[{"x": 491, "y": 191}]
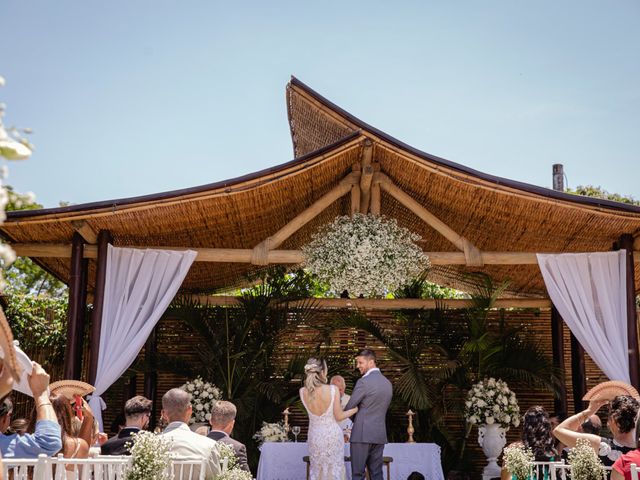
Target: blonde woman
[{"x": 325, "y": 439}]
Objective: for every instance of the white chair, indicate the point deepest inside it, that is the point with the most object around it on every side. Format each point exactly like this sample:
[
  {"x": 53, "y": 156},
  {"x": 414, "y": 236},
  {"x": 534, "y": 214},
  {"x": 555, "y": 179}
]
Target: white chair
[
  {"x": 98, "y": 468},
  {"x": 188, "y": 468},
  {"x": 634, "y": 471},
  {"x": 544, "y": 470},
  {"x": 24, "y": 468},
  {"x": 563, "y": 471}
]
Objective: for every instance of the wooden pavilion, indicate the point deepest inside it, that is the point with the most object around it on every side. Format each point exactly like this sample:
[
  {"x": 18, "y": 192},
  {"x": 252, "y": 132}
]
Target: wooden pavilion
[{"x": 467, "y": 220}]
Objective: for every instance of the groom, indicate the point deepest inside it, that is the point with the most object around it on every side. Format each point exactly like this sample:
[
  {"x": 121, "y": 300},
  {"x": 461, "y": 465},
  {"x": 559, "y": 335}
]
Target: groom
[{"x": 372, "y": 395}]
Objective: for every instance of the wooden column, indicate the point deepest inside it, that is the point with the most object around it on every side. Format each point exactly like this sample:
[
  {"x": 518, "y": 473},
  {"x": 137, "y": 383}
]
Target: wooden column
[
  {"x": 557, "y": 344},
  {"x": 578, "y": 374},
  {"x": 626, "y": 242},
  {"x": 151, "y": 374},
  {"x": 104, "y": 239},
  {"x": 76, "y": 311}
]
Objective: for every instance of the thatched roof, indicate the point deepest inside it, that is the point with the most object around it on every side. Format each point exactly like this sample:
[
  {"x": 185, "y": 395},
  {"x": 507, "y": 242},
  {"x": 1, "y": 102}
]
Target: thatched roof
[{"x": 495, "y": 214}]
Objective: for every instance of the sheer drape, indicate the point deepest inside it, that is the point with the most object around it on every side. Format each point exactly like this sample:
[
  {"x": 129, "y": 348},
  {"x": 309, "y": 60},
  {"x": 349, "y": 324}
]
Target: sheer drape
[
  {"x": 139, "y": 286},
  {"x": 589, "y": 291}
]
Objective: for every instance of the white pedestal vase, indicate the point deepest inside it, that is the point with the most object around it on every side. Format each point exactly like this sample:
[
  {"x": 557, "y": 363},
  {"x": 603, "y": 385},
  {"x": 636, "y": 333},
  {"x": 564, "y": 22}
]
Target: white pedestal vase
[{"x": 492, "y": 439}]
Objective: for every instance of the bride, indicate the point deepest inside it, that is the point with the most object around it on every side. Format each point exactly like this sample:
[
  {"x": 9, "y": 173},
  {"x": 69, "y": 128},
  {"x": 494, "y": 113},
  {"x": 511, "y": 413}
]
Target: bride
[{"x": 325, "y": 438}]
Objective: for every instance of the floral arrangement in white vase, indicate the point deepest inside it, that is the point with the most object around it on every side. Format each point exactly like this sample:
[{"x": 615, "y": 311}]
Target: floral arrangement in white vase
[
  {"x": 150, "y": 457},
  {"x": 489, "y": 402},
  {"x": 271, "y": 432},
  {"x": 366, "y": 255},
  {"x": 203, "y": 396},
  {"x": 585, "y": 464}
]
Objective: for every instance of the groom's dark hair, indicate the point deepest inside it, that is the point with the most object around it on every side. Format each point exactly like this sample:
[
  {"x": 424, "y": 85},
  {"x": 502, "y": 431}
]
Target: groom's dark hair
[{"x": 368, "y": 354}]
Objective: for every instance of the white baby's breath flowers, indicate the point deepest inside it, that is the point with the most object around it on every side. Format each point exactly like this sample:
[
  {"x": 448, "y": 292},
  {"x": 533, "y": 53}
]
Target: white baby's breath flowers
[
  {"x": 235, "y": 474},
  {"x": 365, "y": 254},
  {"x": 150, "y": 457},
  {"x": 203, "y": 396},
  {"x": 491, "y": 402},
  {"x": 585, "y": 464},
  {"x": 518, "y": 461},
  {"x": 271, "y": 432}
]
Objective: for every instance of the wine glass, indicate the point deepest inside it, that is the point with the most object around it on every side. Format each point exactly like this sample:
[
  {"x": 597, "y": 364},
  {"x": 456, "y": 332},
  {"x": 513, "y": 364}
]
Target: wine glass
[{"x": 296, "y": 431}]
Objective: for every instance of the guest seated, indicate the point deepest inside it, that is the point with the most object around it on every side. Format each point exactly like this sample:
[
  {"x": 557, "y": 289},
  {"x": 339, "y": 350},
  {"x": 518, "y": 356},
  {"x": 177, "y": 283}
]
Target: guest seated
[
  {"x": 137, "y": 412},
  {"x": 621, "y": 422},
  {"x": 536, "y": 435},
  {"x": 76, "y": 439},
  {"x": 6, "y": 409},
  {"x": 223, "y": 418},
  {"x": 415, "y": 476},
  {"x": 176, "y": 411},
  {"x": 622, "y": 466},
  {"x": 47, "y": 438},
  {"x": 19, "y": 426},
  {"x": 345, "y": 424}
]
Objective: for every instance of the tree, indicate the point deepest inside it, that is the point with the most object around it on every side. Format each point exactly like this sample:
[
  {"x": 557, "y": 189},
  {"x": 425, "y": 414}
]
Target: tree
[{"x": 599, "y": 192}]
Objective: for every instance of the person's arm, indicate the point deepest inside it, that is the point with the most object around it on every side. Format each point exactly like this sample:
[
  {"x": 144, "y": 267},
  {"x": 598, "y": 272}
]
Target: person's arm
[
  {"x": 617, "y": 470},
  {"x": 566, "y": 431},
  {"x": 47, "y": 435},
  {"x": 338, "y": 413},
  {"x": 356, "y": 396},
  {"x": 241, "y": 455},
  {"x": 86, "y": 429}
]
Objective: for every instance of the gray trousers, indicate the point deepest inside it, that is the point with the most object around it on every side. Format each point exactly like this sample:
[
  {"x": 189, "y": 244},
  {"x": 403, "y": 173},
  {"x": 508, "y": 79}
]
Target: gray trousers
[{"x": 369, "y": 455}]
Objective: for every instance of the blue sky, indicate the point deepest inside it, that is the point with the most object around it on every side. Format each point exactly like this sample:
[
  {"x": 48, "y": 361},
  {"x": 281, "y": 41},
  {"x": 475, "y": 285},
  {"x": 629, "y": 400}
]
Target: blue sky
[{"x": 135, "y": 97}]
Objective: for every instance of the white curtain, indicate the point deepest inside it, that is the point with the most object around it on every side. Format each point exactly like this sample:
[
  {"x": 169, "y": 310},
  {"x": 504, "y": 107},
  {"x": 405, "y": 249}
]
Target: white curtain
[
  {"x": 589, "y": 290},
  {"x": 139, "y": 285}
]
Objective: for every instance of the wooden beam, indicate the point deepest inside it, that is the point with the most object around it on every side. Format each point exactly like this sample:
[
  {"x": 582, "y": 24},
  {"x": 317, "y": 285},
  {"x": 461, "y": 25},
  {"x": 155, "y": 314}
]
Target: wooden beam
[
  {"x": 355, "y": 199},
  {"x": 104, "y": 239},
  {"x": 473, "y": 256},
  {"x": 259, "y": 256},
  {"x": 557, "y": 346},
  {"x": 77, "y": 310},
  {"x": 239, "y": 255},
  {"x": 626, "y": 242},
  {"x": 85, "y": 230},
  {"x": 383, "y": 303},
  {"x": 151, "y": 373},
  {"x": 366, "y": 176},
  {"x": 578, "y": 374}
]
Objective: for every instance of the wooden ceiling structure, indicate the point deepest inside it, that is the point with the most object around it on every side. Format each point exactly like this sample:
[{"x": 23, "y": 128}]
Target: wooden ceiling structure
[{"x": 468, "y": 220}]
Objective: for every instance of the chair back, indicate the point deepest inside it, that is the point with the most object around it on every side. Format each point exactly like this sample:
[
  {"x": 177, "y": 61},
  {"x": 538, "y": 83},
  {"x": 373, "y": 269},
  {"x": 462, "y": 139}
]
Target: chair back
[
  {"x": 545, "y": 471},
  {"x": 634, "y": 471},
  {"x": 98, "y": 468},
  {"x": 563, "y": 471},
  {"x": 24, "y": 468},
  {"x": 188, "y": 468}
]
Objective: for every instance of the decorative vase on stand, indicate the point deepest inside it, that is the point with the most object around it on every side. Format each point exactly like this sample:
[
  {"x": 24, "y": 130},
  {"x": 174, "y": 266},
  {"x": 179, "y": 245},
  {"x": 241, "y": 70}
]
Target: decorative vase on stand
[{"x": 492, "y": 439}]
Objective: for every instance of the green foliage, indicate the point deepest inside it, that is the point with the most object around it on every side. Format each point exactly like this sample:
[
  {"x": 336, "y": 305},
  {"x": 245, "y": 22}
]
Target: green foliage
[
  {"x": 38, "y": 323},
  {"x": 25, "y": 277},
  {"x": 599, "y": 192},
  {"x": 422, "y": 288}
]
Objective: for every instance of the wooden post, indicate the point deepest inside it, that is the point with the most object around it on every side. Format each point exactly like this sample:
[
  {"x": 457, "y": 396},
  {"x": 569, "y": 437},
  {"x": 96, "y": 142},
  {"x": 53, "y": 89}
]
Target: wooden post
[
  {"x": 626, "y": 242},
  {"x": 151, "y": 374},
  {"x": 104, "y": 239},
  {"x": 578, "y": 375},
  {"x": 76, "y": 311},
  {"x": 557, "y": 344}
]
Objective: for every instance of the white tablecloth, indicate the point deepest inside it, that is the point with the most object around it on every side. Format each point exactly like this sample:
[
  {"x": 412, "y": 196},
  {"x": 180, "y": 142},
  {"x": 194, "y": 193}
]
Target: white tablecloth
[{"x": 283, "y": 461}]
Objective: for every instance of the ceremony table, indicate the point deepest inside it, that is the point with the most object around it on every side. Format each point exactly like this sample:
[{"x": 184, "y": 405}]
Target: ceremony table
[{"x": 284, "y": 461}]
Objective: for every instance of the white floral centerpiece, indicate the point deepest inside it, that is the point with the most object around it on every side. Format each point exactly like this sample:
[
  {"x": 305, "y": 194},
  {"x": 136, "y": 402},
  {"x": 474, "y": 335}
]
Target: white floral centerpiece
[
  {"x": 271, "y": 432},
  {"x": 203, "y": 396},
  {"x": 491, "y": 401},
  {"x": 365, "y": 254},
  {"x": 518, "y": 461},
  {"x": 150, "y": 457},
  {"x": 585, "y": 464}
]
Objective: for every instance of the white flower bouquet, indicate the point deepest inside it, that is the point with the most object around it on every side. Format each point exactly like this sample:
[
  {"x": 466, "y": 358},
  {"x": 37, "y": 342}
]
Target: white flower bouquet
[
  {"x": 150, "y": 457},
  {"x": 365, "y": 255},
  {"x": 203, "y": 397},
  {"x": 235, "y": 474},
  {"x": 271, "y": 432},
  {"x": 518, "y": 461},
  {"x": 491, "y": 402},
  {"x": 226, "y": 452},
  {"x": 585, "y": 464}
]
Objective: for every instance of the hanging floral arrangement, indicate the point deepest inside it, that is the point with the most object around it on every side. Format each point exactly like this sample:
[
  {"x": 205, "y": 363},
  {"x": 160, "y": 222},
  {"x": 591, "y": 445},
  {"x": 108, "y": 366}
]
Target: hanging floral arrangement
[{"x": 366, "y": 255}]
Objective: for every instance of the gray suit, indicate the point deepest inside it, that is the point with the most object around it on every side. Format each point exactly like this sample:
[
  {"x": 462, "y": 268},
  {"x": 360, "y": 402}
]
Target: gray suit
[
  {"x": 372, "y": 395},
  {"x": 238, "y": 447}
]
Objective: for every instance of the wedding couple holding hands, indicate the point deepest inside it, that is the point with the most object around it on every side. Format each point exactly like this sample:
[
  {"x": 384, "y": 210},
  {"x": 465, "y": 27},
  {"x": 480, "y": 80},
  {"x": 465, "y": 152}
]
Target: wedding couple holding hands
[{"x": 368, "y": 404}]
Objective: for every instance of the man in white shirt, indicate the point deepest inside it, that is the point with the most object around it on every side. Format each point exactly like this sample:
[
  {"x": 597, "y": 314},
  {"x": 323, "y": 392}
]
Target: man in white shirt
[
  {"x": 176, "y": 412},
  {"x": 345, "y": 424}
]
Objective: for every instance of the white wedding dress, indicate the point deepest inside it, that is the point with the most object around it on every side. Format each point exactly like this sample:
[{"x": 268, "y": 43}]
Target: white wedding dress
[{"x": 326, "y": 444}]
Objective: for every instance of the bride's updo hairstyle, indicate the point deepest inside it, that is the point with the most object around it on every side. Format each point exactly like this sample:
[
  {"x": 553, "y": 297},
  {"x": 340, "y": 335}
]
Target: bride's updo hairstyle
[{"x": 316, "y": 374}]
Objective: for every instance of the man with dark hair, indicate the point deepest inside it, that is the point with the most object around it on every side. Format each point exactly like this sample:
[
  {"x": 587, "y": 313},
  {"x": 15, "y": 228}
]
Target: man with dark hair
[
  {"x": 592, "y": 425},
  {"x": 137, "y": 412},
  {"x": 372, "y": 395},
  {"x": 223, "y": 418}
]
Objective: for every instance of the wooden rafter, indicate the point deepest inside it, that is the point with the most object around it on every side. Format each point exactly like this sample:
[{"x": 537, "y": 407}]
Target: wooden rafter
[
  {"x": 85, "y": 231},
  {"x": 366, "y": 176}
]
